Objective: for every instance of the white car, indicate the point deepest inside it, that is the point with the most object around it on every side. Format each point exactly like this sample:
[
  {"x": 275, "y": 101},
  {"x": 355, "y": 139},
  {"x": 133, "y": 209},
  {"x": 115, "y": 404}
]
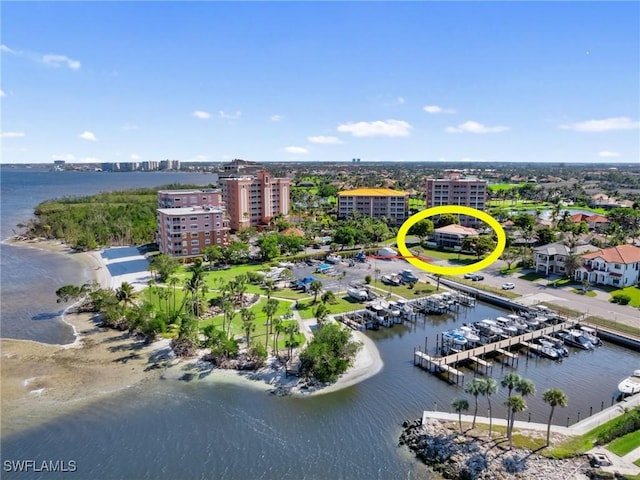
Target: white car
[{"x": 508, "y": 286}]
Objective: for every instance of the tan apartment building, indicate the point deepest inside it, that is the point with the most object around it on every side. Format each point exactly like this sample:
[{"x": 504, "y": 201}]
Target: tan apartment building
[
  {"x": 455, "y": 190},
  {"x": 207, "y": 197},
  {"x": 253, "y": 200},
  {"x": 186, "y": 232},
  {"x": 376, "y": 203}
]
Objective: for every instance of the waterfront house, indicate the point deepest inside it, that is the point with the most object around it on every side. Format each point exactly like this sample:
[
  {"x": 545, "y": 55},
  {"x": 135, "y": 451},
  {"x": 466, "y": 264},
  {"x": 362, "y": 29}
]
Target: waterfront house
[
  {"x": 616, "y": 266},
  {"x": 594, "y": 222},
  {"x": 551, "y": 258},
  {"x": 453, "y": 235}
]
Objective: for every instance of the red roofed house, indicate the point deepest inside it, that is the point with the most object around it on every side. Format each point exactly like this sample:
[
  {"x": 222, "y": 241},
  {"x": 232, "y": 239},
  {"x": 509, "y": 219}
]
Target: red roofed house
[
  {"x": 616, "y": 266},
  {"x": 595, "y": 222}
]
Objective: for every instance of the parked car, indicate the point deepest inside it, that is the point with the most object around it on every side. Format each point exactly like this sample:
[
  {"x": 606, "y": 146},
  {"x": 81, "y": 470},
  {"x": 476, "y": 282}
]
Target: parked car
[
  {"x": 475, "y": 277},
  {"x": 508, "y": 286}
]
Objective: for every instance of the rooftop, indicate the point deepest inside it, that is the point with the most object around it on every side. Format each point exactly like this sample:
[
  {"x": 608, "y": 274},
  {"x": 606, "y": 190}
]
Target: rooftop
[
  {"x": 625, "y": 254},
  {"x": 454, "y": 229},
  {"x": 559, "y": 248},
  {"x": 189, "y": 191},
  {"x": 373, "y": 192},
  {"x": 190, "y": 210}
]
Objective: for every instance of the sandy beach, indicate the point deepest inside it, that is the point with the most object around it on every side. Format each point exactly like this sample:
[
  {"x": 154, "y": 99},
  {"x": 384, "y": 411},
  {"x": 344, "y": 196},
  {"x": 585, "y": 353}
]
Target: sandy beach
[{"x": 42, "y": 381}]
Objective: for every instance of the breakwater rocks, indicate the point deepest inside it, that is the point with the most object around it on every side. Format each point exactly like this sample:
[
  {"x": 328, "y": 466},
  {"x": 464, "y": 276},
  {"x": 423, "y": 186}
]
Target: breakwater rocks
[{"x": 467, "y": 457}]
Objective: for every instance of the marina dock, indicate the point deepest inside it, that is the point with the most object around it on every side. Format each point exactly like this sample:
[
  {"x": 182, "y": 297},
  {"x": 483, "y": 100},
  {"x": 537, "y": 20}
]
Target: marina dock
[{"x": 447, "y": 363}]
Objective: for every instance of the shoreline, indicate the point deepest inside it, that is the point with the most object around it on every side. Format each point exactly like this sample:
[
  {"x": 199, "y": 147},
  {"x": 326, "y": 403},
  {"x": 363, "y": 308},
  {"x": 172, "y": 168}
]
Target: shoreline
[{"x": 43, "y": 381}]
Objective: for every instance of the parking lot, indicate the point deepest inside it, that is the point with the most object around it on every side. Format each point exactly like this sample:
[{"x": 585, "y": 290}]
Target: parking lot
[{"x": 352, "y": 275}]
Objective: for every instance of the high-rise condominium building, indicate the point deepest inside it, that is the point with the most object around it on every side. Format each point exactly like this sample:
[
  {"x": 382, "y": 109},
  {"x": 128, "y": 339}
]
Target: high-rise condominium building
[
  {"x": 186, "y": 232},
  {"x": 393, "y": 205},
  {"x": 207, "y": 197},
  {"x": 468, "y": 192},
  {"x": 254, "y": 200}
]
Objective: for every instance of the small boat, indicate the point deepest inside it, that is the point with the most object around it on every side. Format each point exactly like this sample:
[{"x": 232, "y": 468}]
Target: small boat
[
  {"x": 591, "y": 335},
  {"x": 575, "y": 339},
  {"x": 558, "y": 344},
  {"x": 506, "y": 325},
  {"x": 359, "y": 295},
  {"x": 454, "y": 337},
  {"x": 489, "y": 327},
  {"x": 547, "y": 349},
  {"x": 631, "y": 384},
  {"x": 532, "y": 322},
  {"x": 470, "y": 333},
  {"x": 516, "y": 322}
]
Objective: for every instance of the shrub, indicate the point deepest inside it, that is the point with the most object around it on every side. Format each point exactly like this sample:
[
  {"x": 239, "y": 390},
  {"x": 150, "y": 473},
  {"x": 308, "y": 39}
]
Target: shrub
[
  {"x": 621, "y": 298},
  {"x": 367, "y": 279}
]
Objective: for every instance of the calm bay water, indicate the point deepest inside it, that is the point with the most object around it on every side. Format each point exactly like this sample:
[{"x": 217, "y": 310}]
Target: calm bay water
[{"x": 207, "y": 430}]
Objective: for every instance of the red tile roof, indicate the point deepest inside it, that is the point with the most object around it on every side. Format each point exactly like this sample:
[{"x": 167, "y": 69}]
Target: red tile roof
[{"x": 621, "y": 254}]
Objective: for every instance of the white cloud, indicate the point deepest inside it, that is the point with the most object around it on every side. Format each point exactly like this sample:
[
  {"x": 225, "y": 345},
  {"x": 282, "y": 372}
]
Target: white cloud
[
  {"x": 59, "y": 60},
  {"x": 436, "y": 109},
  {"x": 325, "y": 140},
  {"x": 2, "y": 94},
  {"x": 201, "y": 114},
  {"x": 88, "y": 136},
  {"x": 400, "y": 100},
  {"x": 230, "y": 116},
  {"x": 604, "y": 125},
  {"x": 135, "y": 157},
  {"x": 91, "y": 160},
  {"x": 128, "y": 126},
  {"x": 474, "y": 127},
  {"x": 387, "y": 128},
  {"x": 67, "y": 157},
  {"x": 12, "y": 134},
  {"x": 4, "y": 48},
  {"x": 275, "y": 118},
  {"x": 607, "y": 154},
  {"x": 296, "y": 150},
  {"x": 199, "y": 158}
]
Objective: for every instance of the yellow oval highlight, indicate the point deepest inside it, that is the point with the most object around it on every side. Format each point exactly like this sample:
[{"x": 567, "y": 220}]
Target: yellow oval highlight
[{"x": 455, "y": 209}]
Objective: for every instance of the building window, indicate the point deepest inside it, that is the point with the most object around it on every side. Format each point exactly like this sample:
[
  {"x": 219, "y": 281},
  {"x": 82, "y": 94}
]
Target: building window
[
  {"x": 195, "y": 251},
  {"x": 194, "y": 219},
  {"x": 194, "y": 227},
  {"x": 195, "y": 242},
  {"x": 207, "y": 241},
  {"x": 194, "y": 234},
  {"x": 206, "y": 234}
]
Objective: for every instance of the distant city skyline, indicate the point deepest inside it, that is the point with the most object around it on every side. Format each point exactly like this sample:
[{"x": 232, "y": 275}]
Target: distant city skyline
[{"x": 320, "y": 81}]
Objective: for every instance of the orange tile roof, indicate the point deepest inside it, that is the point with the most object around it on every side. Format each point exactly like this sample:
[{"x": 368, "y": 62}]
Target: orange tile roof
[
  {"x": 621, "y": 254},
  {"x": 373, "y": 192},
  {"x": 597, "y": 219},
  {"x": 457, "y": 230}
]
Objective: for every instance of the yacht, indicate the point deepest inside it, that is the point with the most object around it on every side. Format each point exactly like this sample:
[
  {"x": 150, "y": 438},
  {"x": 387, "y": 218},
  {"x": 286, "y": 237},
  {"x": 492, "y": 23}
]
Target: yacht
[
  {"x": 631, "y": 384},
  {"x": 489, "y": 327},
  {"x": 548, "y": 350},
  {"x": 356, "y": 294},
  {"x": 575, "y": 339}
]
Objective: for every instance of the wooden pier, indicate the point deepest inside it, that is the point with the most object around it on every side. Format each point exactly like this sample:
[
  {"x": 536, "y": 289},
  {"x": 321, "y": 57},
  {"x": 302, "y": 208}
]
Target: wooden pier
[{"x": 436, "y": 364}]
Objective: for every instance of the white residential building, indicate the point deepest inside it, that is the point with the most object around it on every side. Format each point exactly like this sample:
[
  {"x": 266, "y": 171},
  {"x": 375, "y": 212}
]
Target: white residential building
[
  {"x": 551, "y": 258},
  {"x": 616, "y": 266}
]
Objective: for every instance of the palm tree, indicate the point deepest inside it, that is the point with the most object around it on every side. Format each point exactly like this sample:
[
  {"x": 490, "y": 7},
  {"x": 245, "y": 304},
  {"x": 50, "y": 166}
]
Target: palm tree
[
  {"x": 515, "y": 404},
  {"x": 475, "y": 388},
  {"x": 525, "y": 387},
  {"x": 269, "y": 309},
  {"x": 228, "y": 312},
  {"x": 276, "y": 329},
  {"x": 315, "y": 287},
  {"x": 248, "y": 322},
  {"x": 328, "y": 297},
  {"x": 292, "y": 330},
  {"x": 490, "y": 387},
  {"x": 173, "y": 281},
  {"x": 460, "y": 405},
  {"x": 125, "y": 293},
  {"x": 554, "y": 397},
  {"x": 269, "y": 287},
  {"x": 509, "y": 381},
  {"x": 321, "y": 312},
  {"x": 572, "y": 263}
]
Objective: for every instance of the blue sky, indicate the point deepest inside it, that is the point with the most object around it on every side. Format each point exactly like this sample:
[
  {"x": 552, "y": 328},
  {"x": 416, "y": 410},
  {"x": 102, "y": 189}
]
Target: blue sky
[{"x": 327, "y": 81}]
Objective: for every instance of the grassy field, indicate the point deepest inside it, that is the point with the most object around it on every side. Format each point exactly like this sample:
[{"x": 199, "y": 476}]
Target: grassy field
[
  {"x": 532, "y": 276},
  {"x": 632, "y": 291},
  {"x": 496, "y": 187},
  {"x": 343, "y": 304},
  {"x": 417, "y": 203},
  {"x": 621, "y": 327},
  {"x": 420, "y": 289},
  {"x": 579, "y": 291},
  {"x": 623, "y": 445},
  {"x": 482, "y": 286},
  {"x": 440, "y": 255},
  {"x": 261, "y": 318}
]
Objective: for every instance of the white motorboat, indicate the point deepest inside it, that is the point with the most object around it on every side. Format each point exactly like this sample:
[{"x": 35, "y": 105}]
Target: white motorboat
[
  {"x": 489, "y": 327},
  {"x": 575, "y": 339},
  {"x": 547, "y": 349},
  {"x": 514, "y": 320},
  {"x": 470, "y": 333},
  {"x": 454, "y": 337},
  {"x": 506, "y": 325},
  {"x": 359, "y": 295},
  {"x": 631, "y": 384}
]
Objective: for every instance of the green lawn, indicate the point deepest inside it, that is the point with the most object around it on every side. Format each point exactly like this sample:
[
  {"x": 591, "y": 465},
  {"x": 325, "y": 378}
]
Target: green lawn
[
  {"x": 633, "y": 292},
  {"x": 623, "y": 445},
  {"x": 417, "y": 203},
  {"x": 532, "y": 276},
  {"x": 621, "y": 327},
  {"x": 482, "y": 286},
  {"x": 510, "y": 271},
  {"x": 420, "y": 289},
  {"x": 343, "y": 304},
  {"x": 580, "y": 291},
  {"x": 442, "y": 255},
  {"x": 261, "y": 318},
  {"x": 496, "y": 187}
]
